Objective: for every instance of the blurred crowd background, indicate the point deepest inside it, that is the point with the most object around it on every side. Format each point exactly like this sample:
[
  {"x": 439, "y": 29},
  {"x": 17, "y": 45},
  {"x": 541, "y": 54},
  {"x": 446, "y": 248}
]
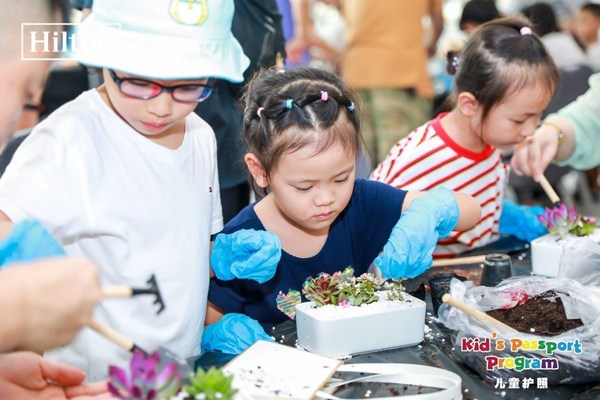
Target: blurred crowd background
[{"x": 394, "y": 54}]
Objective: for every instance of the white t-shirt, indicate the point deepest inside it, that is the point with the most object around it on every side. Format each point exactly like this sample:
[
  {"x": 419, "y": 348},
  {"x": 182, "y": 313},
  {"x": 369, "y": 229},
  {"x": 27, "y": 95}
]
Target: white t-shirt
[{"x": 133, "y": 207}]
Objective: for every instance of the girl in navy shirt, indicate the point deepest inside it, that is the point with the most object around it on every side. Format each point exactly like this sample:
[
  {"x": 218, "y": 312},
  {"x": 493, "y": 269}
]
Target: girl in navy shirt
[{"x": 302, "y": 130}]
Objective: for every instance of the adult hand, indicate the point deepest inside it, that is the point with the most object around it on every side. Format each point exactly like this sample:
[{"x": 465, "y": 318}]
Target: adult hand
[
  {"x": 533, "y": 156},
  {"x": 409, "y": 250},
  {"x": 50, "y": 301},
  {"x": 246, "y": 254},
  {"x": 26, "y": 375},
  {"x": 232, "y": 334},
  {"x": 28, "y": 240}
]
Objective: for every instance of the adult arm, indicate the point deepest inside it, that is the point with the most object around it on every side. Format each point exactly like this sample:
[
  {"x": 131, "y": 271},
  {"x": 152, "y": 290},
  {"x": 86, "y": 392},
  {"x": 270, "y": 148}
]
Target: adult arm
[
  {"x": 437, "y": 24},
  {"x": 584, "y": 117},
  {"x": 303, "y": 30},
  {"x": 580, "y": 123}
]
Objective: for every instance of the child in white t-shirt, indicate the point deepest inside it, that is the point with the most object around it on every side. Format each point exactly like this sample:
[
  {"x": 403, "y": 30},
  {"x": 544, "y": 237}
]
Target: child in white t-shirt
[{"x": 126, "y": 175}]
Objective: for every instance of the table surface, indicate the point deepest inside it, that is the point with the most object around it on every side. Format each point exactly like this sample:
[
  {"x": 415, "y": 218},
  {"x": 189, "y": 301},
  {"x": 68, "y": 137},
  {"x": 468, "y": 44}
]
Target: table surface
[{"x": 437, "y": 347}]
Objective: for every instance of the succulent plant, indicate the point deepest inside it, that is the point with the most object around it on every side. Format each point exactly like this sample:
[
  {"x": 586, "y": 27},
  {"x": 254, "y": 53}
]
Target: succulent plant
[
  {"x": 585, "y": 226},
  {"x": 561, "y": 220},
  {"x": 148, "y": 378},
  {"x": 345, "y": 290},
  {"x": 394, "y": 289},
  {"x": 323, "y": 290},
  {"x": 364, "y": 292},
  {"x": 211, "y": 385},
  {"x": 344, "y": 276}
]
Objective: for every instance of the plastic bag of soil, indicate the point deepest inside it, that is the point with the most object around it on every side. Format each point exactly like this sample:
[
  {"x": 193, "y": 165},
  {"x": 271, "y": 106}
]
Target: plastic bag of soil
[
  {"x": 580, "y": 260},
  {"x": 495, "y": 353}
]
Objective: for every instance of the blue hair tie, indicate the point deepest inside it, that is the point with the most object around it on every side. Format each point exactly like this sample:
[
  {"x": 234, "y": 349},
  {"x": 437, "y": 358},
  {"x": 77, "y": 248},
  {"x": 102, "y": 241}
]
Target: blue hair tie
[
  {"x": 351, "y": 107},
  {"x": 288, "y": 104}
]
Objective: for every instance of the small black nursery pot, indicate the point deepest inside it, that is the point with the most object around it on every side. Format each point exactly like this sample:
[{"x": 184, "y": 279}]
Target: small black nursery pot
[
  {"x": 439, "y": 285},
  {"x": 496, "y": 268}
]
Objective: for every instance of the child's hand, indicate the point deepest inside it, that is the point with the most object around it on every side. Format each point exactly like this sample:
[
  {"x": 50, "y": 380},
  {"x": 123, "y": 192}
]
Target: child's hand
[
  {"x": 246, "y": 254},
  {"x": 521, "y": 221},
  {"x": 233, "y": 334},
  {"x": 29, "y": 241},
  {"x": 409, "y": 249}
]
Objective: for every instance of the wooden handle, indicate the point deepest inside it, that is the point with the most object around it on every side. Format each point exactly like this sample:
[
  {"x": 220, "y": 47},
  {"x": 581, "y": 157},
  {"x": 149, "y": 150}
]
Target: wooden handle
[
  {"x": 446, "y": 262},
  {"x": 550, "y": 192},
  {"x": 448, "y": 299},
  {"x": 112, "y": 335},
  {"x": 117, "y": 291}
]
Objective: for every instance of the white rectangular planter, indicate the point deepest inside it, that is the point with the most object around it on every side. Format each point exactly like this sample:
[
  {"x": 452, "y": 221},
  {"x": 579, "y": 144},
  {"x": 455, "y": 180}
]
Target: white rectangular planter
[
  {"x": 336, "y": 331},
  {"x": 547, "y": 250}
]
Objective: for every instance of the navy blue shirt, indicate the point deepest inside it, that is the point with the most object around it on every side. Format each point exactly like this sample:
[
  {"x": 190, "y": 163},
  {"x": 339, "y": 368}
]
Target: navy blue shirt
[{"x": 355, "y": 238}]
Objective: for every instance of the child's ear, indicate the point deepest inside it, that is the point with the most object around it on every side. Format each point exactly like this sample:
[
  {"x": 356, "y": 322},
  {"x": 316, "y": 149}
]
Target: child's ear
[
  {"x": 468, "y": 104},
  {"x": 257, "y": 170}
]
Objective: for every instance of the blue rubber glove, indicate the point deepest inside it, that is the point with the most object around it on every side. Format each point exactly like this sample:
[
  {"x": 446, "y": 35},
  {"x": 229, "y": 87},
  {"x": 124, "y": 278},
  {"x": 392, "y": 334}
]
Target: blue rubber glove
[
  {"x": 246, "y": 254},
  {"x": 521, "y": 221},
  {"x": 409, "y": 250},
  {"x": 28, "y": 241},
  {"x": 233, "y": 334}
]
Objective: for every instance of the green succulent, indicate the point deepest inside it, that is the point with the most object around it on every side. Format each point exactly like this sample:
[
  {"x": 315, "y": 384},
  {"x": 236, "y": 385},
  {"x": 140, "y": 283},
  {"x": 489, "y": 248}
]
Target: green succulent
[
  {"x": 584, "y": 226},
  {"x": 345, "y": 289},
  {"x": 364, "y": 291},
  {"x": 394, "y": 289},
  {"x": 211, "y": 385}
]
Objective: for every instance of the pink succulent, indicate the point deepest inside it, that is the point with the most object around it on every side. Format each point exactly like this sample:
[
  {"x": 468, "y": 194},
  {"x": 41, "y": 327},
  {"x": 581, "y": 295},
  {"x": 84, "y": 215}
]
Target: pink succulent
[
  {"x": 561, "y": 220},
  {"x": 148, "y": 379}
]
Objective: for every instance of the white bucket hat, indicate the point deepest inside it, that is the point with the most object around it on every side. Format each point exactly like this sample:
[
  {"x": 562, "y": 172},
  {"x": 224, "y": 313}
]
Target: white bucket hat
[{"x": 162, "y": 39}]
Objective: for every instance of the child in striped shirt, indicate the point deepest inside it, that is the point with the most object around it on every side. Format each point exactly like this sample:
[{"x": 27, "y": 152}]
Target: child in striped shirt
[{"x": 504, "y": 81}]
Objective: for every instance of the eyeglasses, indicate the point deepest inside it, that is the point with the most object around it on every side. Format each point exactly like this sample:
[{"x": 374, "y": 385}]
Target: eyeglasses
[{"x": 145, "y": 90}]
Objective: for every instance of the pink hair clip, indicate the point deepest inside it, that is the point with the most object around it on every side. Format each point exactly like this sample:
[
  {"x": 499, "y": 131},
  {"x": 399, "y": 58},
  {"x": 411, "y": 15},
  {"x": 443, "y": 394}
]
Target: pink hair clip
[
  {"x": 324, "y": 95},
  {"x": 259, "y": 111},
  {"x": 526, "y": 30}
]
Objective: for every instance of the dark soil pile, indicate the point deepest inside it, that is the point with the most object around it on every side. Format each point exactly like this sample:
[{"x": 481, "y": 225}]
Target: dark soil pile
[{"x": 544, "y": 313}]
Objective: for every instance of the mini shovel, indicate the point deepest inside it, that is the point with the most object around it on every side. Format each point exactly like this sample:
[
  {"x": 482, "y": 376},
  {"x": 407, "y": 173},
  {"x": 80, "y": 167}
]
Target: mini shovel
[
  {"x": 550, "y": 192},
  {"x": 127, "y": 344},
  {"x": 127, "y": 291},
  {"x": 475, "y": 313}
]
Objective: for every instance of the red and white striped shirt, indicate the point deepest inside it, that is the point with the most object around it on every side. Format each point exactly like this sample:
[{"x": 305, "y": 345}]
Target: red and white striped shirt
[{"x": 428, "y": 158}]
